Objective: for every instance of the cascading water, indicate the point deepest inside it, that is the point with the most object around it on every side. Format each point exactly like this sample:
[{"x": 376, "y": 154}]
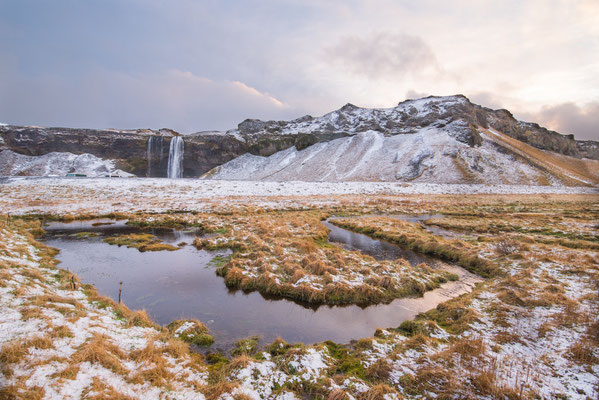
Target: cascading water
[
  {"x": 175, "y": 158},
  {"x": 154, "y": 146}
]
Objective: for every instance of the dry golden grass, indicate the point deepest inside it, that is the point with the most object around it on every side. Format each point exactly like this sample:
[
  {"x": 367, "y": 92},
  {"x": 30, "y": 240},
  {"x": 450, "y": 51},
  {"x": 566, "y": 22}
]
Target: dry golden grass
[
  {"x": 98, "y": 350},
  {"x": 338, "y": 394},
  {"x": 20, "y": 391},
  {"x": 213, "y": 392},
  {"x": 46, "y": 300},
  {"x": 70, "y": 372},
  {"x": 13, "y": 352},
  {"x": 140, "y": 318},
  {"x": 99, "y": 390},
  {"x": 33, "y": 312},
  {"x": 240, "y": 362},
  {"x": 377, "y": 392},
  {"x": 379, "y": 370}
]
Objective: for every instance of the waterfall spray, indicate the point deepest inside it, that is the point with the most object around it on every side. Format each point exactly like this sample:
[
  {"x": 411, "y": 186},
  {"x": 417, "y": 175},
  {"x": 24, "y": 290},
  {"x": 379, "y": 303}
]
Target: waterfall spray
[{"x": 175, "y": 158}]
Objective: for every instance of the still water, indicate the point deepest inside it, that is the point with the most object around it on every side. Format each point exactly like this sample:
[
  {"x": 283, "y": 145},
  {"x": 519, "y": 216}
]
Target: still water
[{"x": 178, "y": 284}]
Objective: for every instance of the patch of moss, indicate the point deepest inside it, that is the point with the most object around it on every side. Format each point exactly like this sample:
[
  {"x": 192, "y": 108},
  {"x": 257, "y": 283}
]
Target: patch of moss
[
  {"x": 346, "y": 361},
  {"x": 219, "y": 261}
]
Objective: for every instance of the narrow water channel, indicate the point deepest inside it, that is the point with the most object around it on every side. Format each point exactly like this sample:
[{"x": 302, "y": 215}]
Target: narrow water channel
[{"x": 183, "y": 284}]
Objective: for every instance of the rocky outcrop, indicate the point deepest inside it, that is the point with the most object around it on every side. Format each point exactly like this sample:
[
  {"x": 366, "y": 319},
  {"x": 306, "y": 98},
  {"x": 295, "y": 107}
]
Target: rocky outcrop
[{"x": 588, "y": 149}]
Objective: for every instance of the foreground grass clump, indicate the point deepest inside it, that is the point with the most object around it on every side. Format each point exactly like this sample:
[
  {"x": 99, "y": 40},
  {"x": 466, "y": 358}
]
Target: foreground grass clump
[
  {"x": 140, "y": 241},
  {"x": 191, "y": 331}
]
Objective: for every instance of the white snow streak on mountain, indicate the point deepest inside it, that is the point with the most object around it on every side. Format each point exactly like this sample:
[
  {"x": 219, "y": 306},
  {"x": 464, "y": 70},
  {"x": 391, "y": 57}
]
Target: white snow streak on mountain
[{"x": 430, "y": 155}]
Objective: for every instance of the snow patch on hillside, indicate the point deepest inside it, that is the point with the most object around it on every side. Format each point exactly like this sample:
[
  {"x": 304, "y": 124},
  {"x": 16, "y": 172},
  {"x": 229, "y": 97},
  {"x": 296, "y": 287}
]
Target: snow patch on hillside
[
  {"x": 15, "y": 164},
  {"x": 430, "y": 155}
]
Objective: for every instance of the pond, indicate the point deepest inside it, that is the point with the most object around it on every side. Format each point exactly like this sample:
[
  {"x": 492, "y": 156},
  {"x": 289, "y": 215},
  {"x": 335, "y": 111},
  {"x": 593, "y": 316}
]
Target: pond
[{"x": 178, "y": 284}]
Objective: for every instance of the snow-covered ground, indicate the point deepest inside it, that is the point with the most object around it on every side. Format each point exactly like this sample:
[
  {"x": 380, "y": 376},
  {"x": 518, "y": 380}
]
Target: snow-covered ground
[
  {"x": 60, "y": 195},
  {"x": 58, "y": 343}
]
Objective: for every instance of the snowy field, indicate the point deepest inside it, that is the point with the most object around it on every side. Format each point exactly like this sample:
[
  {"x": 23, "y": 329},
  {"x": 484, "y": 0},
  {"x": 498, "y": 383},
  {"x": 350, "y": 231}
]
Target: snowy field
[{"x": 20, "y": 195}]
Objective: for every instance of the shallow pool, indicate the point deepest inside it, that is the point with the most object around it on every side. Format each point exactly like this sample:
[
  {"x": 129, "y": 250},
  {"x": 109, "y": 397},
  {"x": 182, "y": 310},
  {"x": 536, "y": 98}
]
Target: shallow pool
[{"x": 183, "y": 284}]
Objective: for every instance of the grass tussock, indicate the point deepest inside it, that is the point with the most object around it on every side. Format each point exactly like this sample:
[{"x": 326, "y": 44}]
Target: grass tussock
[
  {"x": 99, "y": 350},
  {"x": 140, "y": 241},
  {"x": 100, "y": 390},
  {"x": 191, "y": 331}
]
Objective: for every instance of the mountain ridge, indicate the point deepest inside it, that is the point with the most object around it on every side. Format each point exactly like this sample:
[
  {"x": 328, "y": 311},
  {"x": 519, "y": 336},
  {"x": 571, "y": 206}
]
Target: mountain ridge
[
  {"x": 413, "y": 114},
  {"x": 456, "y": 116}
]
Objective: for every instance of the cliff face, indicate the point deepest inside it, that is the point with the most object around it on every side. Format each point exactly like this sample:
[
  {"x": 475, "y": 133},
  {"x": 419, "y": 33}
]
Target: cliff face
[
  {"x": 129, "y": 149},
  {"x": 144, "y": 152}
]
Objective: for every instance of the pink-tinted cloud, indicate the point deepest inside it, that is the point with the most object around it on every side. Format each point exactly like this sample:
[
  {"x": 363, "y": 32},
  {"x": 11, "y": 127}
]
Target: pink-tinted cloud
[{"x": 570, "y": 118}]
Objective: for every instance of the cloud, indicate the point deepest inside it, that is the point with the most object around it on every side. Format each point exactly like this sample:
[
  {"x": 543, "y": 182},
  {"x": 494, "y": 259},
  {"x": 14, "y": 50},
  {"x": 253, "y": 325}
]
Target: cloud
[
  {"x": 101, "y": 99},
  {"x": 570, "y": 118},
  {"x": 382, "y": 55},
  {"x": 413, "y": 94}
]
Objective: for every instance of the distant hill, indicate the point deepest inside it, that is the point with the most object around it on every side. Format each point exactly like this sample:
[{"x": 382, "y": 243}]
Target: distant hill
[{"x": 433, "y": 139}]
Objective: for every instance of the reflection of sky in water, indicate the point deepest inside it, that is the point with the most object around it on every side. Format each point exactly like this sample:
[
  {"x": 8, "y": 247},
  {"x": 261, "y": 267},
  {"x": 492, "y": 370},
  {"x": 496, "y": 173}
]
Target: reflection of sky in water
[
  {"x": 183, "y": 284},
  {"x": 378, "y": 249}
]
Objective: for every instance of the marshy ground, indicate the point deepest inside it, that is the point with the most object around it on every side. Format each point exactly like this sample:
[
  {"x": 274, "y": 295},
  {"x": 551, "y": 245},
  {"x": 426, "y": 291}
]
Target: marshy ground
[{"x": 529, "y": 330}]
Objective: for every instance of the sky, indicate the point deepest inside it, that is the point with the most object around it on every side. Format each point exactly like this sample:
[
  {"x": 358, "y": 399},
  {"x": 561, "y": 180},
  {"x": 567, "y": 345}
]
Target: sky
[{"x": 208, "y": 65}]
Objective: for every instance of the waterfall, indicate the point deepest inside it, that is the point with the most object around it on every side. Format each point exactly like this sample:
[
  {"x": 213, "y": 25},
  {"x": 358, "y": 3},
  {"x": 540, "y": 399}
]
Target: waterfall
[
  {"x": 154, "y": 146},
  {"x": 175, "y": 158}
]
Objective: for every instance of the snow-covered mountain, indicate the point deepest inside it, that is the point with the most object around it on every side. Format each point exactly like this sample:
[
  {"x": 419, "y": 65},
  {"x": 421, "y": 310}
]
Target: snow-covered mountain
[
  {"x": 456, "y": 115},
  {"x": 435, "y": 139}
]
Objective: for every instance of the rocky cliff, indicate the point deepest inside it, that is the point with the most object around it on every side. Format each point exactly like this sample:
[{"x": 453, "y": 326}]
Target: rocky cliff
[{"x": 128, "y": 148}]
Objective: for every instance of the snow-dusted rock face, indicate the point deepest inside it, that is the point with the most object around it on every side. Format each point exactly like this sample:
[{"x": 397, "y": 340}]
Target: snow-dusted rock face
[
  {"x": 60, "y": 164},
  {"x": 455, "y": 114},
  {"x": 128, "y": 148}
]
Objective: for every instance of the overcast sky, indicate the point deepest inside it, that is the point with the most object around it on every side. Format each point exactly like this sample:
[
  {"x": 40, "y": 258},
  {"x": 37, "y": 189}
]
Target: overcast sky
[{"x": 202, "y": 65}]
